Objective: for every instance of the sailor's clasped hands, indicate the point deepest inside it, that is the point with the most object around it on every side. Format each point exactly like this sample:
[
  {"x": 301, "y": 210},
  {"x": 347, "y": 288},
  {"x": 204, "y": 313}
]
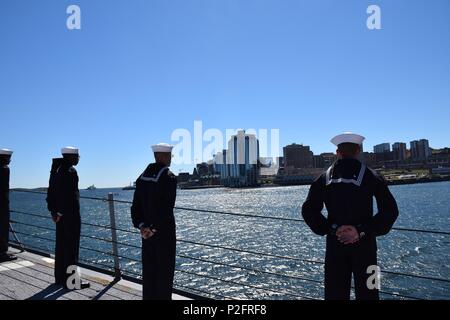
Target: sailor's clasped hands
[
  {"x": 147, "y": 233},
  {"x": 347, "y": 234}
]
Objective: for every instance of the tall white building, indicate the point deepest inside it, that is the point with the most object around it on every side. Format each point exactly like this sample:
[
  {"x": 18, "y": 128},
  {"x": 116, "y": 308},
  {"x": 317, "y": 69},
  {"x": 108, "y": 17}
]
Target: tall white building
[{"x": 238, "y": 165}]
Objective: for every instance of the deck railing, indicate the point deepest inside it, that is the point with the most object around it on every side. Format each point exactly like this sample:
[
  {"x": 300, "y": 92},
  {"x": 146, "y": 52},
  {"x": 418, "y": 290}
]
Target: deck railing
[{"x": 118, "y": 272}]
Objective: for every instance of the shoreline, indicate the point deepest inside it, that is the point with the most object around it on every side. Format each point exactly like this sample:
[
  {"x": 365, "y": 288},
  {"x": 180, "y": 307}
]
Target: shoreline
[
  {"x": 416, "y": 181},
  {"x": 390, "y": 183},
  {"x": 201, "y": 187}
]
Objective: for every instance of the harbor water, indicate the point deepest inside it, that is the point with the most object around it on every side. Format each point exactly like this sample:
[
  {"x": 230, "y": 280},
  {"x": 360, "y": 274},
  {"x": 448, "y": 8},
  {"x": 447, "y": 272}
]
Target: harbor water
[{"x": 218, "y": 272}]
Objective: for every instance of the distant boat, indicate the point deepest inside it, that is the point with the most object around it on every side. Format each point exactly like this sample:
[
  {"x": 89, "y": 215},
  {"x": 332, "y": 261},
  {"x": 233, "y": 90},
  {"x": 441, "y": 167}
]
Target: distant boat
[
  {"x": 132, "y": 186},
  {"x": 91, "y": 188}
]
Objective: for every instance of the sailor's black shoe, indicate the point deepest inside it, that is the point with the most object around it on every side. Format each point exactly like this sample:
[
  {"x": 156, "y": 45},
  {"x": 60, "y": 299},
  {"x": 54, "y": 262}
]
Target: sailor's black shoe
[{"x": 7, "y": 257}]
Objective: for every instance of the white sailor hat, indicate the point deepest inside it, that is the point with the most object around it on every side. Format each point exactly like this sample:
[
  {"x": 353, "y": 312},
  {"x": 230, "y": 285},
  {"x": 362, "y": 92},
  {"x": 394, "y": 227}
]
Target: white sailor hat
[
  {"x": 162, "y": 147},
  {"x": 347, "y": 137},
  {"x": 6, "y": 152},
  {"x": 69, "y": 150}
]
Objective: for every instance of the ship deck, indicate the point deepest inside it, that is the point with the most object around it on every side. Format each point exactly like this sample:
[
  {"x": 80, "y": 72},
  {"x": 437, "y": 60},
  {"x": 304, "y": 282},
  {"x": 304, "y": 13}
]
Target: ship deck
[{"x": 30, "y": 277}]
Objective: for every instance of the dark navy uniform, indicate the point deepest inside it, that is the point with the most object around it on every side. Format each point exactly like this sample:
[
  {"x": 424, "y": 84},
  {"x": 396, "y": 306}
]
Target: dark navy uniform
[
  {"x": 4, "y": 210},
  {"x": 347, "y": 190},
  {"x": 153, "y": 202},
  {"x": 63, "y": 199}
]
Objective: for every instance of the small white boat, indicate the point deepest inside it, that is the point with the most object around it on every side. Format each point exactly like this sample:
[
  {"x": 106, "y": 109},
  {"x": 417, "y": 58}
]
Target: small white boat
[{"x": 132, "y": 186}]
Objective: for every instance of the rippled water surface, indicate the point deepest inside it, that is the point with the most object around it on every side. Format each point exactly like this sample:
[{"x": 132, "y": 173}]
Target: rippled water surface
[{"x": 220, "y": 272}]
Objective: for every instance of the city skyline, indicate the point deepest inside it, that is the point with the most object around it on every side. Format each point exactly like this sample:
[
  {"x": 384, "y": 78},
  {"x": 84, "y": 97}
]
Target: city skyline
[
  {"x": 391, "y": 147},
  {"x": 281, "y": 155},
  {"x": 236, "y": 166}
]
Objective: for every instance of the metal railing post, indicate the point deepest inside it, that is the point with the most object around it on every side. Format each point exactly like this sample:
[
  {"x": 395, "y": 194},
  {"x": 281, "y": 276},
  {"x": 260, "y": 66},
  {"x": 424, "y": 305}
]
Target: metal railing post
[{"x": 112, "y": 219}]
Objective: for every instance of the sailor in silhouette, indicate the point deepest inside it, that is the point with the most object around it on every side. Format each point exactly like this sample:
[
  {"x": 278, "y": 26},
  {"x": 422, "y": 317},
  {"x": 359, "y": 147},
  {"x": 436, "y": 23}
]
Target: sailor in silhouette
[
  {"x": 5, "y": 159},
  {"x": 63, "y": 201},
  {"x": 347, "y": 189},
  {"x": 152, "y": 213}
]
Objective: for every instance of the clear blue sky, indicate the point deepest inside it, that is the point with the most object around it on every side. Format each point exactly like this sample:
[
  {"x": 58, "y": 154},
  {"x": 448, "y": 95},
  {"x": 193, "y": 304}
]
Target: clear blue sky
[{"x": 137, "y": 70}]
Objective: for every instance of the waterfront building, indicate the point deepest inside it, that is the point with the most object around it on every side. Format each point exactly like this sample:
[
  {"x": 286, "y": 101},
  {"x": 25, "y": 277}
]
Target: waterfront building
[
  {"x": 183, "y": 177},
  {"x": 441, "y": 171},
  {"x": 383, "y": 152},
  {"x": 211, "y": 167},
  {"x": 220, "y": 164},
  {"x": 280, "y": 161},
  {"x": 420, "y": 149},
  {"x": 203, "y": 169},
  {"x": 195, "y": 174},
  {"x": 268, "y": 168},
  {"x": 297, "y": 176},
  {"x": 238, "y": 166},
  {"x": 439, "y": 157},
  {"x": 382, "y": 148},
  {"x": 399, "y": 150}
]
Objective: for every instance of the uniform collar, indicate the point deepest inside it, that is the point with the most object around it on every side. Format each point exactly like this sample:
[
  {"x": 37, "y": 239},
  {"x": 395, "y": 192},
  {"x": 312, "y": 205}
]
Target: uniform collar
[
  {"x": 348, "y": 160},
  {"x": 160, "y": 164},
  {"x": 65, "y": 163}
]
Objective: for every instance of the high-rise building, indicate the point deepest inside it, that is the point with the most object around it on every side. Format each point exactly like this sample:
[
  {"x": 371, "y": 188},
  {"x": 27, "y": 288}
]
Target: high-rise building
[
  {"x": 238, "y": 165},
  {"x": 399, "y": 150},
  {"x": 280, "y": 161},
  {"x": 383, "y": 152},
  {"x": 219, "y": 161},
  {"x": 382, "y": 148},
  {"x": 298, "y": 156},
  {"x": 420, "y": 149}
]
